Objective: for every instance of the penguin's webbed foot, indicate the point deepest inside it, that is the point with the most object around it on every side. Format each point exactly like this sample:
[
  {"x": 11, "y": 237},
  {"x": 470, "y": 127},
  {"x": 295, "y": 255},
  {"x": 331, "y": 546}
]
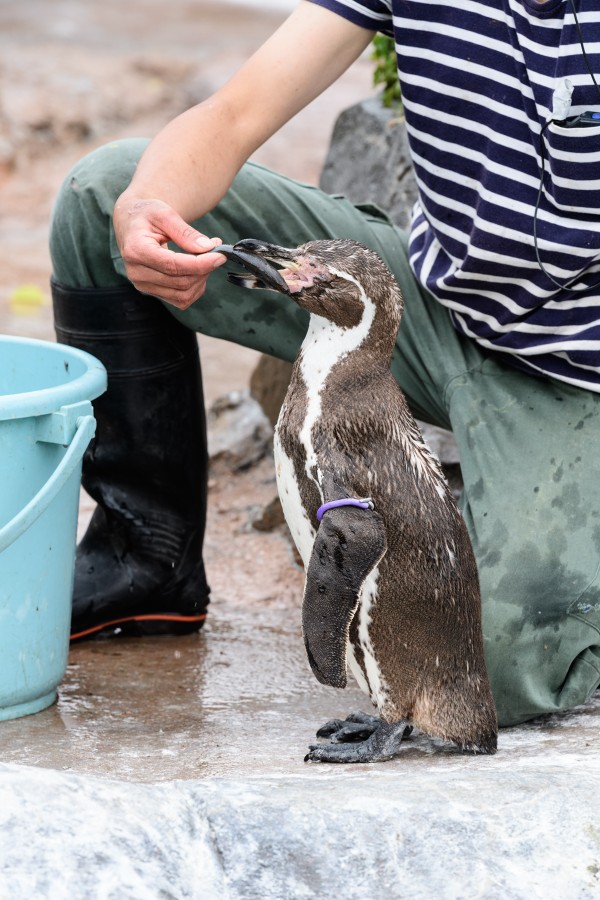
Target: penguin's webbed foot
[
  {"x": 357, "y": 726},
  {"x": 348, "y": 744}
]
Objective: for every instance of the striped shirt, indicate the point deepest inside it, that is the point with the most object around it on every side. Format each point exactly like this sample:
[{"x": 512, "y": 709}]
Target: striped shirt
[{"x": 484, "y": 83}]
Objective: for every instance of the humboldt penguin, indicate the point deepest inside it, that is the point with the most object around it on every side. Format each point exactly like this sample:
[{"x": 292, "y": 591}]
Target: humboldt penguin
[{"x": 392, "y": 589}]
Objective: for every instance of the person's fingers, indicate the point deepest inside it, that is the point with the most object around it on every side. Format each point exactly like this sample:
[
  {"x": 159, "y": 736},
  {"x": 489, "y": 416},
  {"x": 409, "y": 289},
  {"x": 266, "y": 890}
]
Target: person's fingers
[
  {"x": 165, "y": 221},
  {"x": 146, "y": 251},
  {"x": 144, "y": 231}
]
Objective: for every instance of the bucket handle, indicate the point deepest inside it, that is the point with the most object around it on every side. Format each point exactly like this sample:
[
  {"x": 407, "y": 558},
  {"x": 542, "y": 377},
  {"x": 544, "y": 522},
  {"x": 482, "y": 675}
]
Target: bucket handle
[{"x": 86, "y": 427}]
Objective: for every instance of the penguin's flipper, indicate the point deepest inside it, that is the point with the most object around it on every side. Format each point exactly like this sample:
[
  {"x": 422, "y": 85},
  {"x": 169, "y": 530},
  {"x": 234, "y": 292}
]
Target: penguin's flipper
[{"x": 349, "y": 544}]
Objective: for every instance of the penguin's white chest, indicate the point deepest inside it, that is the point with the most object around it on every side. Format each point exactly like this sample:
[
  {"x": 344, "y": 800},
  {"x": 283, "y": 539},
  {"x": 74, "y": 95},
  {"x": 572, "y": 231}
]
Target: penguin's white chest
[
  {"x": 323, "y": 348},
  {"x": 295, "y": 514}
]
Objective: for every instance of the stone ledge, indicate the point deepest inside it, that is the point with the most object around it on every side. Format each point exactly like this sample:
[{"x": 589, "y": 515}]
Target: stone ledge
[{"x": 445, "y": 834}]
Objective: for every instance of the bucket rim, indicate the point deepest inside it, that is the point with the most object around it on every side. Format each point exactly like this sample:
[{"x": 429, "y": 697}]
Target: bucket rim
[{"x": 41, "y": 402}]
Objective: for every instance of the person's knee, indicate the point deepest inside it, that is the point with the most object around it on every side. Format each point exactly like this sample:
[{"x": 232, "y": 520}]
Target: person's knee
[
  {"x": 98, "y": 178},
  {"x": 80, "y": 226},
  {"x": 544, "y": 670}
]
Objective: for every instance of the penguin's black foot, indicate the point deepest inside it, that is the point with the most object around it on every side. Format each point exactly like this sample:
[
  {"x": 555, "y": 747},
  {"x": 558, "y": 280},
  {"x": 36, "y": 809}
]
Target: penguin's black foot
[
  {"x": 383, "y": 741},
  {"x": 357, "y": 726}
]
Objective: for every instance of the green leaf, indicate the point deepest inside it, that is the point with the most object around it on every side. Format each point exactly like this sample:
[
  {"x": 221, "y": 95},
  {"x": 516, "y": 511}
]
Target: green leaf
[{"x": 386, "y": 69}]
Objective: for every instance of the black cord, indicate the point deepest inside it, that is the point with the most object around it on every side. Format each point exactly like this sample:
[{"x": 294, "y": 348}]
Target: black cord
[{"x": 567, "y": 286}]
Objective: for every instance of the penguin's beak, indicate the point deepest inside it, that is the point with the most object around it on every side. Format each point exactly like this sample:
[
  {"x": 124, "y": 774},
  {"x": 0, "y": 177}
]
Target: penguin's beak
[{"x": 259, "y": 260}]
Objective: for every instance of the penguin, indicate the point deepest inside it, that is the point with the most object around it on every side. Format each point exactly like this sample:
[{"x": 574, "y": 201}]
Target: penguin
[{"x": 392, "y": 589}]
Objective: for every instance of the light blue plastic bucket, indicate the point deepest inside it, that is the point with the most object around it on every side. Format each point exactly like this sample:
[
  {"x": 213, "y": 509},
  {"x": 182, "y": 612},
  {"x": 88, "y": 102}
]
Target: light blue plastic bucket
[{"x": 46, "y": 423}]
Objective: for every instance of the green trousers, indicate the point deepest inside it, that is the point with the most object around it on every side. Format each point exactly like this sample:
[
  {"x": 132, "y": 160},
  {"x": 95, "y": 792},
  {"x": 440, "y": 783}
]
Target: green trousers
[{"x": 529, "y": 448}]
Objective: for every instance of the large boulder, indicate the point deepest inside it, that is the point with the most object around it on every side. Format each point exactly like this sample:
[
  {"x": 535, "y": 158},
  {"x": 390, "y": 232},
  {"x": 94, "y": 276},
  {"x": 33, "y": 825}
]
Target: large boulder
[{"x": 369, "y": 161}]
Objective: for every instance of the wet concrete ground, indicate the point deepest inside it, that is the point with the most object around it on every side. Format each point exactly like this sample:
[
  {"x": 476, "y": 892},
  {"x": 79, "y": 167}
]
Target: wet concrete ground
[{"x": 236, "y": 701}]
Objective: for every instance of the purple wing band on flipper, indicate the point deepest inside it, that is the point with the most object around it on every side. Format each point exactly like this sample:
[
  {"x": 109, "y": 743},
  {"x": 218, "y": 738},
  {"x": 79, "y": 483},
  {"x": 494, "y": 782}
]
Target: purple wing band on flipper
[{"x": 365, "y": 503}]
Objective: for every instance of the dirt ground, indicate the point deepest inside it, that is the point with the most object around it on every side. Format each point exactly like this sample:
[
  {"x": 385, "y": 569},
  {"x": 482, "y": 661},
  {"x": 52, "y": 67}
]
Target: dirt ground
[{"x": 77, "y": 73}]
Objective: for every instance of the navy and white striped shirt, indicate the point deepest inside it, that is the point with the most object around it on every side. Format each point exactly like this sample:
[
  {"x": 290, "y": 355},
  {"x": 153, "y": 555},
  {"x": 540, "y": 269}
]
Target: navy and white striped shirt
[{"x": 478, "y": 83}]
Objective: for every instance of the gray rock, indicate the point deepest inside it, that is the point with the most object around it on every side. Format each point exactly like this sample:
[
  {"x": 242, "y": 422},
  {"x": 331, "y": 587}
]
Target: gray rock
[
  {"x": 441, "y": 442},
  {"x": 238, "y": 430},
  {"x": 369, "y": 161},
  {"x": 270, "y": 516},
  {"x": 269, "y": 383},
  {"x": 504, "y": 835}
]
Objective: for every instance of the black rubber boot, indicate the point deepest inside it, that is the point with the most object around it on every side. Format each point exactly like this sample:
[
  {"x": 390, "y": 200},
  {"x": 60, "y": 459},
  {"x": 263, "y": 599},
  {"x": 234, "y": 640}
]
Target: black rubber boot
[{"x": 139, "y": 568}]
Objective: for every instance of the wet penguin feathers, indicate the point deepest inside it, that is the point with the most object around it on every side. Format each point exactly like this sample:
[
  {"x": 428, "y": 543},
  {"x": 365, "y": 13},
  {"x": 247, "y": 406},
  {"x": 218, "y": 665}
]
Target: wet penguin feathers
[
  {"x": 392, "y": 590},
  {"x": 347, "y": 547}
]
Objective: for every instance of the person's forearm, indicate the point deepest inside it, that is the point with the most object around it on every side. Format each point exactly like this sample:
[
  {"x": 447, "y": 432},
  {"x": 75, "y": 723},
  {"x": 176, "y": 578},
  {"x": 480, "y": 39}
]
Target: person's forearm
[{"x": 191, "y": 163}]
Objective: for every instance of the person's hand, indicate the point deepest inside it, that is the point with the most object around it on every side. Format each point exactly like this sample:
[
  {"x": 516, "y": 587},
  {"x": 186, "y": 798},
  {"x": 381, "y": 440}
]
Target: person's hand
[{"x": 143, "y": 229}]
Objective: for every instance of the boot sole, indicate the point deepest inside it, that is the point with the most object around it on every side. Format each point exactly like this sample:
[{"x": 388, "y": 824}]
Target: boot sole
[{"x": 146, "y": 626}]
